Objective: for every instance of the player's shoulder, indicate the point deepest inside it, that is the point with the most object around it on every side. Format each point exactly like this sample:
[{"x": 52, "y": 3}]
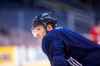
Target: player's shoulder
[
  {"x": 56, "y": 32},
  {"x": 59, "y": 30},
  {"x": 53, "y": 33}
]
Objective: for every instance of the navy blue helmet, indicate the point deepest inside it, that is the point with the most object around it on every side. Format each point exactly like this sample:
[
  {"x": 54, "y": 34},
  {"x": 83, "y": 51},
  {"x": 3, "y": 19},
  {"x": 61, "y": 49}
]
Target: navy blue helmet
[{"x": 44, "y": 19}]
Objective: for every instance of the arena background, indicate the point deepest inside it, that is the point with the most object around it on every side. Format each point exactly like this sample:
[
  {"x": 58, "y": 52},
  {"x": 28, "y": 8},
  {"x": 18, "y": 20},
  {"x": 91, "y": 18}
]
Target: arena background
[{"x": 18, "y": 47}]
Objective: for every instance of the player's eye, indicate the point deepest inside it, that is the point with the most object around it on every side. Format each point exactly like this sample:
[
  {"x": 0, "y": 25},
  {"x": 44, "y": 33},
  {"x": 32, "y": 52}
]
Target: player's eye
[{"x": 38, "y": 28}]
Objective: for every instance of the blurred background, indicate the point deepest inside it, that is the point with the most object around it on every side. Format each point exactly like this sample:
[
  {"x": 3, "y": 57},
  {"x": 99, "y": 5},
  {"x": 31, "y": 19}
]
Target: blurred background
[{"x": 19, "y": 48}]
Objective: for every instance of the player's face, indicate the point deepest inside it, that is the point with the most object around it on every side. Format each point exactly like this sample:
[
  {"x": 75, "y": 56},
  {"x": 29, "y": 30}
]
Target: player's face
[{"x": 39, "y": 32}]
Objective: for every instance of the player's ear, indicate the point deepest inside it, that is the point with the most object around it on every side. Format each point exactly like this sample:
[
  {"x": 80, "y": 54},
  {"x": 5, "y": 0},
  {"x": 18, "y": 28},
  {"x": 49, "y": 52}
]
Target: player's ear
[{"x": 49, "y": 27}]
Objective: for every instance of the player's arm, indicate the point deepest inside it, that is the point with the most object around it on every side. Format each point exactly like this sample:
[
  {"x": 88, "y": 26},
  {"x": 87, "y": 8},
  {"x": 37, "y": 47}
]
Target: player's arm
[{"x": 56, "y": 51}]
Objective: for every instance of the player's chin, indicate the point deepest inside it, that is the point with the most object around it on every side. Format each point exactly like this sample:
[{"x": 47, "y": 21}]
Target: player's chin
[{"x": 37, "y": 37}]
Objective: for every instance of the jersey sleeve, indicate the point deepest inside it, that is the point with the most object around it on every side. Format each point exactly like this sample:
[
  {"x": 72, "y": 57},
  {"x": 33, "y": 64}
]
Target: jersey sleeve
[{"x": 56, "y": 50}]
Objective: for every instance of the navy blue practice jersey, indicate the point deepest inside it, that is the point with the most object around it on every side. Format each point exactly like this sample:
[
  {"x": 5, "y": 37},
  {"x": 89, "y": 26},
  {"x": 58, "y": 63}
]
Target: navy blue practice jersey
[{"x": 61, "y": 44}]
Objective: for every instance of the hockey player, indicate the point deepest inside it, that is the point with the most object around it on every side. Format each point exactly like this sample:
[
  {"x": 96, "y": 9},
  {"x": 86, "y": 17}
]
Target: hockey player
[{"x": 63, "y": 46}]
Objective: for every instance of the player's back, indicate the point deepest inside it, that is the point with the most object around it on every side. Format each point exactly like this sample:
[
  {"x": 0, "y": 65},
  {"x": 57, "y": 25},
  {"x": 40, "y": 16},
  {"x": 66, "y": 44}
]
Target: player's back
[{"x": 80, "y": 48}]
